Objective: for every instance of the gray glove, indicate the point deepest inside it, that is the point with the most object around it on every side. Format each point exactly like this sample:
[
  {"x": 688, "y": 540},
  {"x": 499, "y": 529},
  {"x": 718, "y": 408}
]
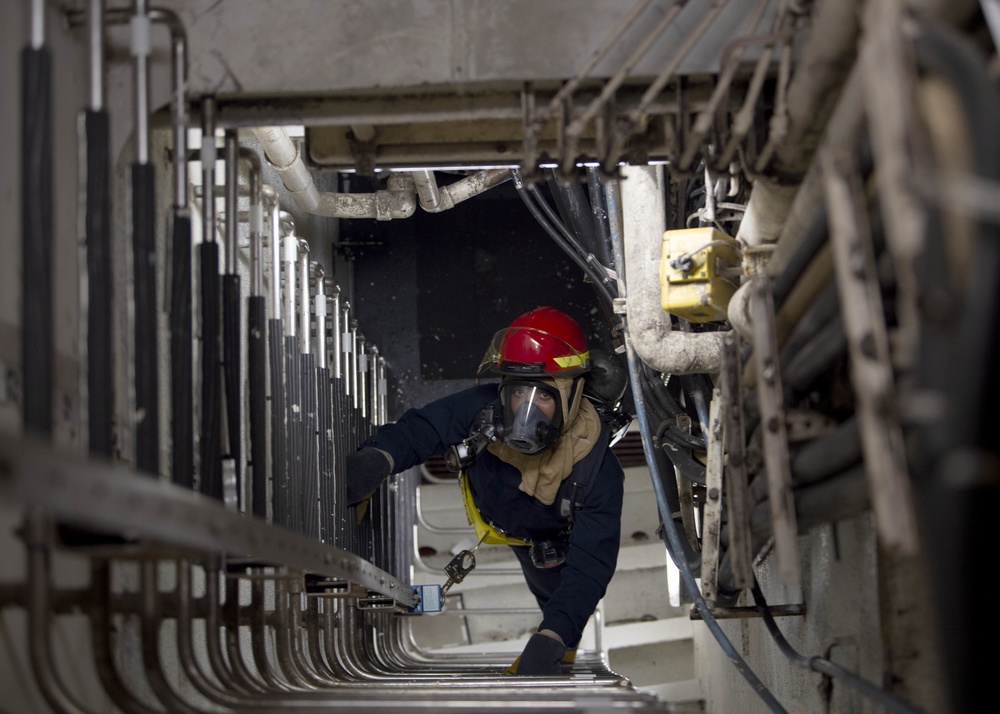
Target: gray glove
[
  {"x": 541, "y": 656},
  {"x": 366, "y": 469}
]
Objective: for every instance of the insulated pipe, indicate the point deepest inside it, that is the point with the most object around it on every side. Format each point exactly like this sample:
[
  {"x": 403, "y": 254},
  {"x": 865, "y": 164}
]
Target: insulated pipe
[
  {"x": 97, "y": 294},
  {"x": 211, "y": 392},
  {"x": 37, "y": 352},
  {"x": 644, "y": 222},
  {"x": 146, "y": 361},
  {"x": 435, "y": 199},
  {"x": 231, "y": 312},
  {"x": 396, "y": 202}
]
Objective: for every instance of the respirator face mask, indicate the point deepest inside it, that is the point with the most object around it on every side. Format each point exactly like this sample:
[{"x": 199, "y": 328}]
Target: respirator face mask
[{"x": 532, "y": 416}]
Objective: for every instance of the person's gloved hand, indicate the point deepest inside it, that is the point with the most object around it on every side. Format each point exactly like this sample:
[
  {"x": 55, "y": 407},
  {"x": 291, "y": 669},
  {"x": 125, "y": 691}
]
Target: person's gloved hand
[
  {"x": 366, "y": 469},
  {"x": 541, "y": 656}
]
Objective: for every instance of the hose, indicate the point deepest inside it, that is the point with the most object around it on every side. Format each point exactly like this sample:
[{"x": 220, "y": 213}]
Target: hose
[
  {"x": 37, "y": 355},
  {"x": 546, "y": 218},
  {"x": 147, "y": 410},
  {"x": 825, "y": 666},
  {"x": 181, "y": 373}
]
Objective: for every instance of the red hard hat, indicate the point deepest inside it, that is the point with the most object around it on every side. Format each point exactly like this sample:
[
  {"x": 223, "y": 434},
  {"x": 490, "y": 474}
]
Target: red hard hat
[{"x": 544, "y": 342}]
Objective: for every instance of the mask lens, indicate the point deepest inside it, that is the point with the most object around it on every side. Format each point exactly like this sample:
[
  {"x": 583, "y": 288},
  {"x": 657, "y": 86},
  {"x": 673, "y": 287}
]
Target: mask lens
[{"x": 532, "y": 417}]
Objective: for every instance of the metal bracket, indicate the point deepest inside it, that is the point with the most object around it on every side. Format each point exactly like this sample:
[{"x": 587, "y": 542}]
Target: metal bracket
[
  {"x": 774, "y": 431},
  {"x": 712, "y": 520},
  {"x": 749, "y": 613},
  {"x": 738, "y": 500},
  {"x": 374, "y": 601}
]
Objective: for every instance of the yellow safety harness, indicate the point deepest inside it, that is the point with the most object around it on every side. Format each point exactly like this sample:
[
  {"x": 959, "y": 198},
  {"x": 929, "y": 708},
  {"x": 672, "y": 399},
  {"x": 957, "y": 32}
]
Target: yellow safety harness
[{"x": 485, "y": 532}]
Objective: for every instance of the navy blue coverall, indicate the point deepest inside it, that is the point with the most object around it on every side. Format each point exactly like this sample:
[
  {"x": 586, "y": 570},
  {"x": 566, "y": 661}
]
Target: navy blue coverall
[{"x": 567, "y": 594}]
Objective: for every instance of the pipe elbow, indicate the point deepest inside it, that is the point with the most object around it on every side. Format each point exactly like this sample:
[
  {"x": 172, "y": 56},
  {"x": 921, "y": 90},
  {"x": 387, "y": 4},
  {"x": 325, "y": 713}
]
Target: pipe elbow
[
  {"x": 678, "y": 352},
  {"x": 738, "y": 312}
]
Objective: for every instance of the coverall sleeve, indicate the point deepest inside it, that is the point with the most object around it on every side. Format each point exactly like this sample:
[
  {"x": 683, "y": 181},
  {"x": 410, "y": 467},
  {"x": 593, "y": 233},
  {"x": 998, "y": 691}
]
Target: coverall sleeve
[
  {"x": 592, "y": 555},
  {"x": 432, "y": 429}
]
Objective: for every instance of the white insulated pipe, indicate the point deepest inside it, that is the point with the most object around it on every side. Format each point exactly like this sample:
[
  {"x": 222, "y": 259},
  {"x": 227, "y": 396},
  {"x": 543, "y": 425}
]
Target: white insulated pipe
[
  {"x": 398, "y": 201},
  {"x": 650, "y": 331},
  {"x": 435, "y": 199}
]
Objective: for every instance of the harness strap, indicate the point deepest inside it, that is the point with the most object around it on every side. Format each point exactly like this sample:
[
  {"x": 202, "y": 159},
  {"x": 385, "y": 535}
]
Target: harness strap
[{"x": 485, "y": 532}]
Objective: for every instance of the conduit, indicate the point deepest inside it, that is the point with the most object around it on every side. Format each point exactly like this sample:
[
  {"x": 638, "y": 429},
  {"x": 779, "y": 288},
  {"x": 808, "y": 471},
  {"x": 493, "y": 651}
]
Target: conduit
[
  {"x": 398, "y": 201},
  {"x": 37, "y": 352},
  {"x": 98, "y": 291}
]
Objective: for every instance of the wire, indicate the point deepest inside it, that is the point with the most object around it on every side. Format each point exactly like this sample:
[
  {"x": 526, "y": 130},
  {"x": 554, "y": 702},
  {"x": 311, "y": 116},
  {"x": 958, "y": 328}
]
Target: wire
[
  {"x": 825, "y": 666},
  {"x": 557, "y": 231}
]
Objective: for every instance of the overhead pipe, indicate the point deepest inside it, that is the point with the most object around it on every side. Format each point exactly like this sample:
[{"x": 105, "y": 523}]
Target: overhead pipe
[
  {"x": 397, "y": 202},
  {"x": 435, "y": 199},
  {"x": 643, "y": 223}
]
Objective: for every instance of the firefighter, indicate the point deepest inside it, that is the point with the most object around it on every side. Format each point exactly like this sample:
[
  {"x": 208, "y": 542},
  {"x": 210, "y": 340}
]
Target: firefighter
[{"x": 538, "y": 473}]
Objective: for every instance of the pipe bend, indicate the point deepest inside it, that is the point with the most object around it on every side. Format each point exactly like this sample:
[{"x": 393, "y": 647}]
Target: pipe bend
[{"x": 679, "y": 352}]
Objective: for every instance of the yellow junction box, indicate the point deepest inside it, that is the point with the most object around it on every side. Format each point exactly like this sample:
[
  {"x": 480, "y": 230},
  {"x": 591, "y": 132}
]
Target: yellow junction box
[{"x": 693, "y": 281}]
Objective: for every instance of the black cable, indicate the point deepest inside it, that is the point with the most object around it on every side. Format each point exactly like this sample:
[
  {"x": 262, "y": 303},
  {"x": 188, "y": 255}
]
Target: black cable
[
  {"x": 293, "y": 416},
  {"x": 231, "y": 355},
  {"x": 146, "y": 352},
  {"x": 324, "y": 426},
  {"x": 584, "y": 259},
  {"x": 676, "y": 545},
  {"x": 279, "y": 426},
  {"x": 181, "y": 351},
  {"x": 100, "y": 374},
  {"x": 825, "y": 666},
  {"x": 211, "y": 389},
  {"x": 310, "y": 453},
  {"x": 599, "y": 210},
  {"x": 559, "y": 234},
  {"x": 37, "y": 355},
  {"x": 257, "y": 387}
]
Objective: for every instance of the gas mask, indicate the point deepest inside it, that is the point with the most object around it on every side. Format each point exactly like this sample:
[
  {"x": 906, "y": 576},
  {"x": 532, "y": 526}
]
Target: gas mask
[{"x": 532, "y": 415}]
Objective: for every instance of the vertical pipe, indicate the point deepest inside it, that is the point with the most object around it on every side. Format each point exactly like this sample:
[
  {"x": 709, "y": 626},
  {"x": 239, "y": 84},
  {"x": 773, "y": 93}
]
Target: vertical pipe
[
  {"x": 290, "y": 255},
  {"x": 257, "y": 347},
  {"x": 345, "y": 346},
  {"x": 211, "y": 393},
  {"x": 147, "y": 443},
  {"x": 100, "y": 379},
  {"x": 355, "y": 359},
  {"x": 181, "y": 353},
  {"x": 231, "y": 357},
  {"x": 307, "y": 366},
  {"x": 361, "y": 371},
  {"x": 304, "y": 330},
  {"x": 181, "y": 332},
  {"x": 37, "y": 361},
  {"x": 324, "y": 411},
  {"x": 335, "y": 369}
]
